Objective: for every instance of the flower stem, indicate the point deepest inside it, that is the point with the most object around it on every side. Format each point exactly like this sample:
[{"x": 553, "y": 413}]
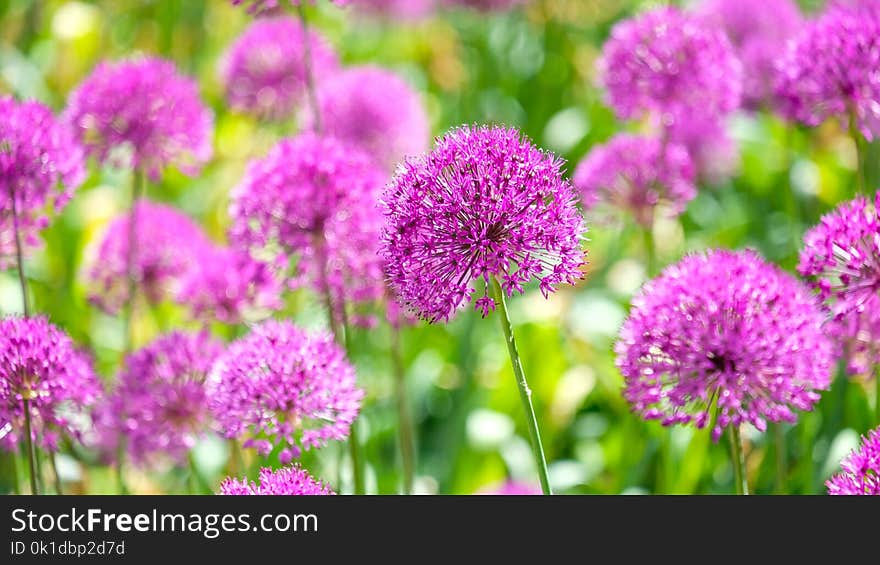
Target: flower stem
[
  {"x": 650, "y": 250},
  {"x": 19, "y": 257},
  {"x": 29, "y": 446},
  {"x": 860, "y": 153},
  {"x": 525, "y": 392},
  {"x": 404, "y": 423},
  {"x": 59, "y": 489},
  {"x": 781, "y": 467},
  {"x": 358, "y": 464},
  {"x": 137, "y": 191},
  {"x": 310, "y": 73},
  {"x": 739, "y": 464}
]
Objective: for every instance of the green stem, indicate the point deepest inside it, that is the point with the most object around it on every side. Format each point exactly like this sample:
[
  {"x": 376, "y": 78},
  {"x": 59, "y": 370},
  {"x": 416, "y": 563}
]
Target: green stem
[
  {"x": 781, "y": 466},
  {"x": 404, "y": 424},
  {"x": 358, "y": 464},
  {"x": 525, "y": 392},
  {"x": 29, "y": 446},
  {"x": 19, "y": 256},
  {"x": 860, "y": 153},
  {"x": 309, "y": 71},
  {"x": 137, "y": 191},
  {"x": 59, "y": 489},
  {"x": 738, "y": 461},
  {"x": 120, "y": 473},
  {"x": 650, "y": 250}
]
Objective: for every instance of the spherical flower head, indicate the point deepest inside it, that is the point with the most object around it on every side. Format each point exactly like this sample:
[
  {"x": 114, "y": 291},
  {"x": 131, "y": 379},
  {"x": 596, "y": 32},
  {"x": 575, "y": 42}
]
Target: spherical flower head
[
  {"x": 727, "y": 337},
  {"x": 829, "y": 69},
  {"x": 282, "y": 387},
  {"x": 758, "y": 30},
  {"x": 141, "y": 113},
  {"x": 841, "y": 255},
  {"x": 292, "y": 480},
  {"x": 714, "y": 154},
  {"x": 168, "y": 246},
  {"x": 230, "y": 286},
  {"x": 635, "y": 174},
  {"x": 315, "y": 199},
  {"x": 483, "y": 203},
  {"x": 860, "y": 470},
  {"x": 514, "y": 488},
  {"x": 376, "y": 110},
  {"x": 39, "y": 363},
  {"x": 856, "y": 335},
  {"x": 159, "y": 407},
  {"x": 264, "y": 71},
  {"x": 40, "y": 167},
  {"x": 667, "y": 62}
]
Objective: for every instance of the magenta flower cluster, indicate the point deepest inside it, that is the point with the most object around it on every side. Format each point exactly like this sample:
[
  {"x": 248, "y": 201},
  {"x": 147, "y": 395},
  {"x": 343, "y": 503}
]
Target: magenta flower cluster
[
  {"x": 141, "y": 113},
  {"x": 169, "y": 244},
  {"x": 41, "y": 364},
  {"x": 829, "y": 70},
  {"x": 376, "y": 110},
  {"x": 666, "y": 62},
  {"x": 636, "y": 173},
  {"x": 314, "y": 199},
  {"x": 860, "y": 470},
  {"x": 159, "y": 406},
  {"x": 280, "y": 387},
  {"x": 264, "y": 72},
  {"x": 287, "y": 481},
  {"x": 759, "y": 31},
  {"x": 722, "y": 339},
  {"x": 483, "y": 203},
  {"x": 40, "y": 168}
]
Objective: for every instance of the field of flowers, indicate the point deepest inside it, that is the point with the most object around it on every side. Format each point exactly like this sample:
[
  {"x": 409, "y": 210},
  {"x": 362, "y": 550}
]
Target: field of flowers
[{"x": 439, "y": 247}]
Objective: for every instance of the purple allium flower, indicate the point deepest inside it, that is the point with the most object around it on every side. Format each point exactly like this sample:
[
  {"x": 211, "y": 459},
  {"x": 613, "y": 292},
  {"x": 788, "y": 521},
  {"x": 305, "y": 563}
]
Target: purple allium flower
[
  {"x": 860, "y": 470},
  {"x": 40, "y": 363},
  {"x": 830, "y": 69},
  {"x": 159, "y": 406},
  {"x": 484, "y": 203},
  {"x": 315, "y": 199},
  {"x": 292, "y": 480},
  {"x": 758, "y": 30},
  {"x": 229, "y": 286},
  {"x": 857, "y": 335},
  {"x": 40, "y": 166},
  {"x": 511, "y": 488},
  {"x": 145, "y": 107},
  {"x": 264, "y": 71},
  {"x": 667, "y": 62},
  {"x": 724, "y": 338},
  {"x": 281, "y": 387},
  {"x": 376, "y": 110},
  {"x": 635, "y": 174},
  {"x": 168, "y": 245},
  {"x": 714, "y": 154}
]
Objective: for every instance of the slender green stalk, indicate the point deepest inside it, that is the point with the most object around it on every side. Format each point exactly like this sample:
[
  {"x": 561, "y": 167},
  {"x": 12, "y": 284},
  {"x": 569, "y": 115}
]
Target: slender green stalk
[
  {"x": 29, "y": 446},
  {"x": 138, "y": 187},
  {"x": 59, "y": 488},
  {"x": 525, "y": 392},
  {"x": 358, "y": 463},
  {"x": 781, "y": 465},
  {"x": 861, "y": 186},
  {"x": 310, "y": 73},
  {"x": 650, "y": 250},
  {"x": 739, "y": 464},
  {"x": 19, "y": 257},
  {"x": 404, "y": 423}
]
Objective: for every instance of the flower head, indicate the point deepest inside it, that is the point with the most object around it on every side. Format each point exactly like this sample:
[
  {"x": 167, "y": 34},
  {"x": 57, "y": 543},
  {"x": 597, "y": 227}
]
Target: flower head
[
  {"x": 40, "y": 167},
  {"x": 829, "y": 69},
  {"x": 315, "y": 199},
  {"x": 145, "y": 108},
  {"x": 281, "y": 387},
  {"x": 374, "y": 109},
  {"x": 39, "y": 363},
  {"x": 712, "y": 151},
  {"x": 667, "y": 62},
  {"x": 724, "y": 336},
  {"x": 292, "y": 480},
  {"x": 484, "y": 203},
  {"x": 159, "y": 407},
  {"x": 264, "y": 71},
  {"x": 635, "y": 174},
  {"x": 169, "y": 243},
  {"x": 860, "y": 470},
  {"x": 230, "y": 286},
  {"x": 758, "y": 30}
]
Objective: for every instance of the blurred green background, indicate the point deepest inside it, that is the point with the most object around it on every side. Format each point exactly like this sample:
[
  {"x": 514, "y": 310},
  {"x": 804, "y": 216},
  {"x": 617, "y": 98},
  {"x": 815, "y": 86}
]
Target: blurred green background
[{"x": 532, "y": 68}]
